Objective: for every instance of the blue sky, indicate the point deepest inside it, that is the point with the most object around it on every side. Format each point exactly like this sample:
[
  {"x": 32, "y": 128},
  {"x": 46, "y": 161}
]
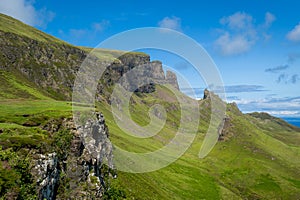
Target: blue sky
[{"x": 255, "y": 44}]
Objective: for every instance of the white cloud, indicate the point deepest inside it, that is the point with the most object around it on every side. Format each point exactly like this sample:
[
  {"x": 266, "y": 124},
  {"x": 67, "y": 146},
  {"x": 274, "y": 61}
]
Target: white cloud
[
  {"x": 238, "y": 20},
  {"x": 284, "y": 112},
  {"x": 24, "y": 11},
  {"x": 269, "y": 19},
  {"x": 238, "y": 36},
  {"x": 294, "y": 35},
  {"x": 100, "y": 26},
  {"x": 240, "y": 33},
  {"x": 231, "y": 45},
  {"x": 171, "y": 23}
]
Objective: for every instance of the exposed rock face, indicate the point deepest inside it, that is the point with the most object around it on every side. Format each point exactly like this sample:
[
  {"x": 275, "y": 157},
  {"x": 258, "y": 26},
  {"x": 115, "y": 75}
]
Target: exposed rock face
[
  {"x": 224, "y": 129},
  {"x": 131, "y": 60},
  {"x": 206, "y": 94},
  {"x": 80, "y": 170},
  {"x": 89, "y": 148},
  {"x": 46, "y": 169},
  {"x": 136, "y": 73},
  {"x": 157, "y": 70},
  {"x": 94, "y": 135},
  {"x": 171, "y": 79},
  {"x": 53, "y": 66}
]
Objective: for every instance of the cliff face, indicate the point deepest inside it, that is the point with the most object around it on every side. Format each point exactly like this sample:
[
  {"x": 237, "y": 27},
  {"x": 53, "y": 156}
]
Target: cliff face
[
  {"x": 79, "y": 171},
  {"x": 171, "y": 79},
  {"x": 46, "y": 169},
  {"x": 53, "y": 66},
  {"x": 135, "y": 73}
]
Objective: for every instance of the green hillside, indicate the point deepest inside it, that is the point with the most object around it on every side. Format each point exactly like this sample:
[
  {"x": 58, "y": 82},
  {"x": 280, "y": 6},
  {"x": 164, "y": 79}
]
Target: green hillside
[
  {"x": 256, "y": 158},
  {"x": 11, "y": 25}
]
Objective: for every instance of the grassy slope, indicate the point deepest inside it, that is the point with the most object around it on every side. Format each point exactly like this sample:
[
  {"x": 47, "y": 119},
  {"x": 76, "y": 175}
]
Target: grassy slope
[
  {"x": 250, "y": 164},
  {"x": 260, "y": 159},
  {"x": 9, "y": 24}
]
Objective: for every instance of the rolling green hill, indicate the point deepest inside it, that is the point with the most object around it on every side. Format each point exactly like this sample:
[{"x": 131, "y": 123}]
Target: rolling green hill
[{"x": 256, "y": 157}]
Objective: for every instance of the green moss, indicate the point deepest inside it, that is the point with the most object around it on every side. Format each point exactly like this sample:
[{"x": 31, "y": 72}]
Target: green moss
[{"x": 94, "y": 179}]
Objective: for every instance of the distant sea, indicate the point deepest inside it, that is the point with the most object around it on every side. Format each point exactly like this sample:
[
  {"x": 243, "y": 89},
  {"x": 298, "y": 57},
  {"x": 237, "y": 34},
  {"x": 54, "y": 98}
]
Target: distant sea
[{"x": 292, "y": 120}]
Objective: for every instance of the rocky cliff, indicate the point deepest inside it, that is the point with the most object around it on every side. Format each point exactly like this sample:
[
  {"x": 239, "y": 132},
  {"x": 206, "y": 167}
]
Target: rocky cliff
[
  {"x": 79, "y": 172},
  {"x": 171, "y": 79},
  {"x": 53, "y": 66}
]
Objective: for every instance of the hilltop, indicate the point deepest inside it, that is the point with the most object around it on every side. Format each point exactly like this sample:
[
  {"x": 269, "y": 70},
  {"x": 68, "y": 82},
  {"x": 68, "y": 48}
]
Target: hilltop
[{"x": 256, "y": 156}]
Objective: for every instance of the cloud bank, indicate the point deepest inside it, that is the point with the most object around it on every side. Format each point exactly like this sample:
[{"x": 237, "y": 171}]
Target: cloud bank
[{"x": 286, "y": 106}]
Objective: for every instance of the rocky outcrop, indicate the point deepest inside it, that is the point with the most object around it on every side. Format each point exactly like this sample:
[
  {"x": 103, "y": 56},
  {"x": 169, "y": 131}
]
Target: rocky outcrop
[
  {"x": 53, "y": 67},
  {"x": 97, "y": 146},
  {"x": 46, "y": 169},
  {"x": 206, "y": 94},
  {"x": 224, "y": 130},
  {"x": 84, "y": 165},
  {"x": 171, "y": 79},
  {"x": 137, "y": 75},
  {"x": 79, "y": 173}
]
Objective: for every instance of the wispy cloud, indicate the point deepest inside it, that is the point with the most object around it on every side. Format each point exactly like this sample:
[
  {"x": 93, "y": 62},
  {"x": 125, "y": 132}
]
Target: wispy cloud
[
  {"x": 286, "y": 76},
  {"x": 240, "y": 33},
  {"x": 233, "y": 98},
  {"x": 293, "y": 57},
  {"x": 282, "y": 78},
  {"x": 229, "y": 89},
  {"x": 76, "y": 35},
  {"x": 269, "y": 19},
  {"x": 171, "y": 23},
  {"x": 25, "y": 11},
  {"x": 295, "y": 78},
  {"x": 284, "y": 106},
  {"x": 244, "y": 88},
  {"x": 238, "y": 88},
  {"x": 288, "y": 79},
  {"x": 294, "y": 34},
  {"x": 277, "y": 69}
]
